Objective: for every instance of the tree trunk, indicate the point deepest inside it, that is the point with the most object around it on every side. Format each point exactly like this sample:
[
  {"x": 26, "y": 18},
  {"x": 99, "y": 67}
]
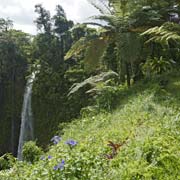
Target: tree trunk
[{"x": 128, "y": 75}]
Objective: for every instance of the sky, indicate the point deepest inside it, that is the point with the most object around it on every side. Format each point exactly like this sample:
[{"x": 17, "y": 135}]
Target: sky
[{"x": 22, "y": 11}]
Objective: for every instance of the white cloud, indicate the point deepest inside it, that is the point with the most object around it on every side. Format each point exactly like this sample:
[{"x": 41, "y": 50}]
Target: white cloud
[{"x": 23, "y": 15}]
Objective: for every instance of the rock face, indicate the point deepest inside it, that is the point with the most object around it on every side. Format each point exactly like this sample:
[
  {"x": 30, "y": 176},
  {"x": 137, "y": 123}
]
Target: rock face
[{"x": 11, "y": 99}]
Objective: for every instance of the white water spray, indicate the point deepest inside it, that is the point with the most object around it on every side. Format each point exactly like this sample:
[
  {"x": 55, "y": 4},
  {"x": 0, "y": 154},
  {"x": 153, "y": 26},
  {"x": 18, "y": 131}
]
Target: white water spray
[{"x": 26, "y": 130}]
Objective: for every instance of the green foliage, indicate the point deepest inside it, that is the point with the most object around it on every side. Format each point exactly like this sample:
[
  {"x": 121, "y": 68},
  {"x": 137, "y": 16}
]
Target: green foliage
[
  {"x": 14, "y": 47},
  {"x": 90, "y": 83},
  {"x": 104, "y": 95},
  {"x": 31, "y": 152},
  {"x": 146, "y": 114},
  {"x": 6, "y": 161},
  {"x": 127, "y": 44},
  {"x": 125, "y": 19},
  {"x": 44, "y": 19},
  {"x": 157, "y": 66},
  {"x": 165, "y": 34},
  {"x": 93, "y": 54},
  {"x": 93, "y": 48},
  {"x": 107, "y": 96},
  {"x": 129, "y": 48},
  {"x": 147, "y": 126},
  {"x": 75, "y": 75},
  {"x": 128, "y": 7},
  {"x": 76, "y": 48},
  {"x": 109, "y": 58},
  {"x": 52, "y": 82},
  {"x": 60, "y": 21},
  {"x": 5, "y": 24}
]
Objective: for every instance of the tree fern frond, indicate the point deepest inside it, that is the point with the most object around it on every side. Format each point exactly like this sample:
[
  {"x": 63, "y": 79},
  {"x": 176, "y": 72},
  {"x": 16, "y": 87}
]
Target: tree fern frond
[
  {"x": 101, "y": 6},
  {"x": 93, "y": 47},
  {"x": 96, "y": 24},
  {"x": 161, "y": 34},
  {"x": 94, "y": 52},
  {"x": 92, "y": 82},
  {"x": 76, "y": 48},
  {"x": 106, "y": 5}
]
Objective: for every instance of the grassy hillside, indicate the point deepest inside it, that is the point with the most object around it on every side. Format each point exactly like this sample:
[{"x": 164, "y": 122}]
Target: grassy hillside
[{"x": 146, "y": 126}]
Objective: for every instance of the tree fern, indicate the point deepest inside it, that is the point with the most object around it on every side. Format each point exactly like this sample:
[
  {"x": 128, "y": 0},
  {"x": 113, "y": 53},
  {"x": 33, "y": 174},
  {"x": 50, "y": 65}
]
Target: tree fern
[
  {"x": 163, "y": 34},
  {"x": 101, "y": 6},
  {"x": 92, "y": 82},
  {"x": 77, "y": 48},
  {"x": 93, "y": 48}
]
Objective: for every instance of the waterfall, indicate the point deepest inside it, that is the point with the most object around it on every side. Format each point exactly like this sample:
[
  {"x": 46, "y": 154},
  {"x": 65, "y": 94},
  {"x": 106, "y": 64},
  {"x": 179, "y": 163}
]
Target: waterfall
[{"x": 26, "y": 130}]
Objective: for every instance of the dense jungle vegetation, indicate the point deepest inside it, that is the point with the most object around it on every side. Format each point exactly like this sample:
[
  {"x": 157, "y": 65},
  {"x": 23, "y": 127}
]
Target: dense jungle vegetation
[{"x": 105, "y": 98}]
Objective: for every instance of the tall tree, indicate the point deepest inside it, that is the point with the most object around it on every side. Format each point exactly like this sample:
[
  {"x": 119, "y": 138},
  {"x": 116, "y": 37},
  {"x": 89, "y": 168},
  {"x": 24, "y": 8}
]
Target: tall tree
[
  {"x": 61, "y": 27},
  {"x": 43, "y": 22},
  {"x": 5, "y": 24},
  {"x": 124, "y": 20}
]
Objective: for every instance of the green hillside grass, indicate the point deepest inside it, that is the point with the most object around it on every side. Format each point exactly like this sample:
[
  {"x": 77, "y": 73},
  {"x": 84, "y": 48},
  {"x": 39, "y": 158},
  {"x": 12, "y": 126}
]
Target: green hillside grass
[{"x": 146, "y": 123}]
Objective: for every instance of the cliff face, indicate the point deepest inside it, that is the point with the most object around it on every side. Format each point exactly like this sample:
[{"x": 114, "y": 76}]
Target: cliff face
[{"x": 11, "y": 98}]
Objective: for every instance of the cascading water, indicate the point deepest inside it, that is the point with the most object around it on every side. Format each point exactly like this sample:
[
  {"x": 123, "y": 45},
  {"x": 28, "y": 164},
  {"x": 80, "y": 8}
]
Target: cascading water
[{"x": 26, "y": 130}]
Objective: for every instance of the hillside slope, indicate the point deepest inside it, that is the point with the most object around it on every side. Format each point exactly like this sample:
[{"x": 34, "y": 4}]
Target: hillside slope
[{"x": 144, "y": 135}]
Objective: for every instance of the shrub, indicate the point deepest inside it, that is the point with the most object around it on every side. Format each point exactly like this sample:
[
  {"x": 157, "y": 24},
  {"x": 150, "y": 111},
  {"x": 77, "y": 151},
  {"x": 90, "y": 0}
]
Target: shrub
[
  {"x": 31, "y": 152},
  {"x": 107, "y": 97},
  {"x": 156, "y": 65},
  {"x": 6, "y": 161}
]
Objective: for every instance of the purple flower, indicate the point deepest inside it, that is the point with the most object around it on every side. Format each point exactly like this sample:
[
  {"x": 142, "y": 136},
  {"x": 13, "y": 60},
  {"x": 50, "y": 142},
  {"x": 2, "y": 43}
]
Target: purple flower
[
  {"x": 56, "y": 139},
  {"x": 55, "y": 167},
  {"x": 59, "y": 166},
  {"x": 71, "y": 143},
  {"x": 49, "y": 157}
]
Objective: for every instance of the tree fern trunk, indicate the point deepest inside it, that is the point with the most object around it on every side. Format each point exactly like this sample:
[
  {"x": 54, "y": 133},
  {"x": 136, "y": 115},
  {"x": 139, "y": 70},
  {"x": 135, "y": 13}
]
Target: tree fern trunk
[{"x": 128, "y": 75}]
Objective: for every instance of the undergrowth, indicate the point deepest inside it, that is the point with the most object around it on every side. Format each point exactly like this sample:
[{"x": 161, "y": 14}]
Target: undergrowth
[{"x": 139, "y": 140}]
